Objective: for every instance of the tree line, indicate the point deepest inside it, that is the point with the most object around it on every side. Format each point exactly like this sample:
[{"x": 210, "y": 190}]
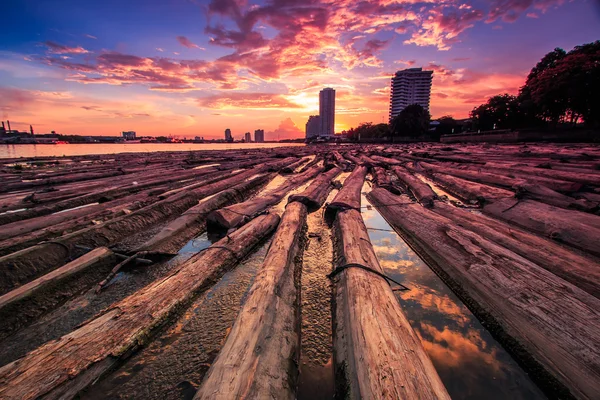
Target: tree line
[{"x": 563, "y": 89}]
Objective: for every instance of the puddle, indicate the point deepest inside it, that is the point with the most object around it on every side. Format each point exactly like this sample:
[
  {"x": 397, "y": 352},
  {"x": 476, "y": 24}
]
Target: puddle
[
  {"x": 470, "y": 362},
  {"x": 316, "y": 379}
]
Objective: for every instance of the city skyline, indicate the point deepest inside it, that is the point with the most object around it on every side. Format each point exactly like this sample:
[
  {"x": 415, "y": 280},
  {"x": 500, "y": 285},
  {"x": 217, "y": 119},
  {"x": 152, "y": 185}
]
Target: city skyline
[{"x": 194, "y": 68}]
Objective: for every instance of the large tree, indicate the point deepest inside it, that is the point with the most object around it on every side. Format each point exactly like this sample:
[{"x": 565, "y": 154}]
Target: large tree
[
  {"x": 413, "y": 121},
  {"x": 500, "y": 112}
]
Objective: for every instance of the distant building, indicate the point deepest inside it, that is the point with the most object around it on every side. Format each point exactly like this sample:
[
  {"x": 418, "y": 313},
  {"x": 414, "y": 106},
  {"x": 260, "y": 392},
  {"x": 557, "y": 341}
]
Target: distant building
[
  {"x": 410, "y": 86},
  {"x": 228, "y": 136},
  {"x": 2, "y": 129},
  {"x": 327, "y": 112},
  {"x": 313, "y": 126},
  {"x": 247, "y": 137},
  {"x": 128, "y": 135},
  {"x": 259, "y": 136}
]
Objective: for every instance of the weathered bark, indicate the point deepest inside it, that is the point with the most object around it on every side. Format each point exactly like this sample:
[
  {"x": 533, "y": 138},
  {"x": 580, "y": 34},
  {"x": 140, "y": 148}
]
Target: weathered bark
[
  {"x": 60, "y": 180},
  {"x": 579, "y": 270},
  {"x": 260, "y": 357},
  {"x": 316, "y": 193},
  {"x": 340, "y": 161},
  {"x": 25, "y": 265},
  {"x": 83, "y": 355},
  {"x": 385, "y": 160},
  {"x": 351, "y": 158},
  {"x": 235, "y": 215},
  {"x": 383, "y": 180},
  {"x": 193, "y": 221},
  {"x": 28, "y": 302},
  {"x": 544, "y": 320},
  {"x": 349, "y": 196},
  {"x": 377, "y": 355},
  {"x": 422, "y": 192},
  {"x": 506, "y": 181},
  {"x": 549, "y": 196},
  {"x": 470, "y": 192},
  {"x": 575, "y": 228},
  {"x": 583, "y": 178},
  {"x": 290, "y": 168}
]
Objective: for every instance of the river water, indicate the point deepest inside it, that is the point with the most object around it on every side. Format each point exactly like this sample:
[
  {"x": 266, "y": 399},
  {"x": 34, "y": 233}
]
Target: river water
[{"x": 59, "y": 150}]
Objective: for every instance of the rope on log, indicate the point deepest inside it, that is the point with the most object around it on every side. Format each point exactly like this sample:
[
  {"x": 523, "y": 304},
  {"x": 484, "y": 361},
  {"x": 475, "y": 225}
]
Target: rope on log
[{"x": 341, "y": 268}]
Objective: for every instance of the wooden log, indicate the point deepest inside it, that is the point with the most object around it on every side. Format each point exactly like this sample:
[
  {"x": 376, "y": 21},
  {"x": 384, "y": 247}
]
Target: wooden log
[
  {"x": 237, "y": 214},
  {"x": 25, "y": 265},
  {"x": 385, "y": 160},
  {"x": 316, "y": 193},
  {"x": 581, "y": 271},
  {"x": 377, "y": 355},
  {"x": 422, "y": 192},
  {"x": 356, "y": 161},
  {"x": 290, "y": 168},
  {"x": 383, "y": 180},
  {"x": 23, "y": 305},
  {"x": 502, "y": 180},
  {"x": 468, "y": 191},
  {"x": 64, "y": 179},
  {"x": 549, "y": 196},
  {"x": 80, "y": 357},
  {"x": 349, "y": 196},
  {"x": 574, "y": 228},
  {"x": 549, "y": 324},
  {"x": 582, "y": 178},
  {"x": 261, "y": 355},
  {"x": 193, "y": 221},
  {"x": 343, "y": 164}
]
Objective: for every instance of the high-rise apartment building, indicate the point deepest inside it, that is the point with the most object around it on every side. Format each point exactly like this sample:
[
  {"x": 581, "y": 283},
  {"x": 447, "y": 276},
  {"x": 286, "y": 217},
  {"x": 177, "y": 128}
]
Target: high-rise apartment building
[
  {"x": 313, "y": 126},
  {"x": 259, "y": 136},
  {"x": 228, "y": 136},
  {"x": 327, "y": 112},
  {"x": 247, "y": 137},
  {"x": 410, "y": 86}
]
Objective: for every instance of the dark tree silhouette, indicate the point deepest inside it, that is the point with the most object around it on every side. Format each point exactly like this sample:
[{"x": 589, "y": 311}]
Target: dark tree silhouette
[
  {"x": 500, "y": 112},
  {"x": 412, "y": 121}
]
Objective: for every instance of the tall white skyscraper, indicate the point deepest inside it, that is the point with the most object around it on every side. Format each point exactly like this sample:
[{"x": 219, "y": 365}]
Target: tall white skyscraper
[
  {"x": 327, "y": 112},
  {"x": 410, "y": 86}
]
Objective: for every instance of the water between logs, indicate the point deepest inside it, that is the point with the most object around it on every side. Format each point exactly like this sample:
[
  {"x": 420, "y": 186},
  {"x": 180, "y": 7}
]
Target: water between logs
[{"x": 469, "y": 361}]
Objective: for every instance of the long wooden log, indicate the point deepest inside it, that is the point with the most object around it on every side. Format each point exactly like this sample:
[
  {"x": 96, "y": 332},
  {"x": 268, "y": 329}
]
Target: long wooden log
[
  {"x": 470, "y": 192},
  {"x": 553, "y": 198},
  {"x": 316, "y": 193},
  {"x": 261, "y": 356},
  {"x": 583, "y": 178},
  {"x": 502, "y": 180},
  {"x": 575, "y": 228},
  {"x": 28, "y": 302},
  {"x": 25, "y": 265},
  {"x": 237, "y": 214},
  {"x": 383, "y": 180},
  {"x": 349, "y": 195},
  {"x": 579, "y": 270},
  {"x": 377, "y": 355},
  {"x": 192, "y": 222},
  {"x": 546, "y": 322},
  {"x": 422, "y": 192},
  {"x": 83, "y": 355}
]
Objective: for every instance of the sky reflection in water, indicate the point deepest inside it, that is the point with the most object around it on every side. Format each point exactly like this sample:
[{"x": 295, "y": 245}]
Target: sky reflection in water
[{"x": 470, "y": 362}]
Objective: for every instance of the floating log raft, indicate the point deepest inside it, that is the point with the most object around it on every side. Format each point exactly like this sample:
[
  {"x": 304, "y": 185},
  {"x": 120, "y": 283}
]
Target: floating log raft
[
  {"x": 25, "y": 265},
  {"x": 316, "y": 193},
  {"x": 376, "y": 352},
  {"x": 541, "y": 318},
  {"x": 260, "y": 358},
  {"x": 80, "y": 357}
]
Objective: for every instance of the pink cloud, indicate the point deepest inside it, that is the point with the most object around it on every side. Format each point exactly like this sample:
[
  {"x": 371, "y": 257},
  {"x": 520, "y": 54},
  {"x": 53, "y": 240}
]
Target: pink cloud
[
  {"x": 56, "y": 48},
  {"x": 287, "y": 129},
  {"x": 184, "y": 41}
]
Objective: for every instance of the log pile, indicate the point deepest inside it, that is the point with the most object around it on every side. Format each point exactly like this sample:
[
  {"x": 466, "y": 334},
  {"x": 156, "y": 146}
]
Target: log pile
[{"x": 521, "y": 248}]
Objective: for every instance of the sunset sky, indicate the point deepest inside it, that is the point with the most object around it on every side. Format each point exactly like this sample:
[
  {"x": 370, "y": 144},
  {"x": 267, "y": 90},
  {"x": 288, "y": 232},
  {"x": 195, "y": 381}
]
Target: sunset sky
[{"x": 194, "y": 67}]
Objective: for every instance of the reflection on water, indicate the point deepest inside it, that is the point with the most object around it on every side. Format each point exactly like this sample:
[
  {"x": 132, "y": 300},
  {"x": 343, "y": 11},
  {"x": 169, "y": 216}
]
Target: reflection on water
[
  {"x": 470, "y": 362},
  {"x": 48, "y": 150}
]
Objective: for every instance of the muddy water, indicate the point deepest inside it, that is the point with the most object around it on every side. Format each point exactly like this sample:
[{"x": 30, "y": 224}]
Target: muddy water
[
  {"x": 316, "y": 361},
  {"x": 471, "y": 364},
  {"x": 174, "y": 364}
]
